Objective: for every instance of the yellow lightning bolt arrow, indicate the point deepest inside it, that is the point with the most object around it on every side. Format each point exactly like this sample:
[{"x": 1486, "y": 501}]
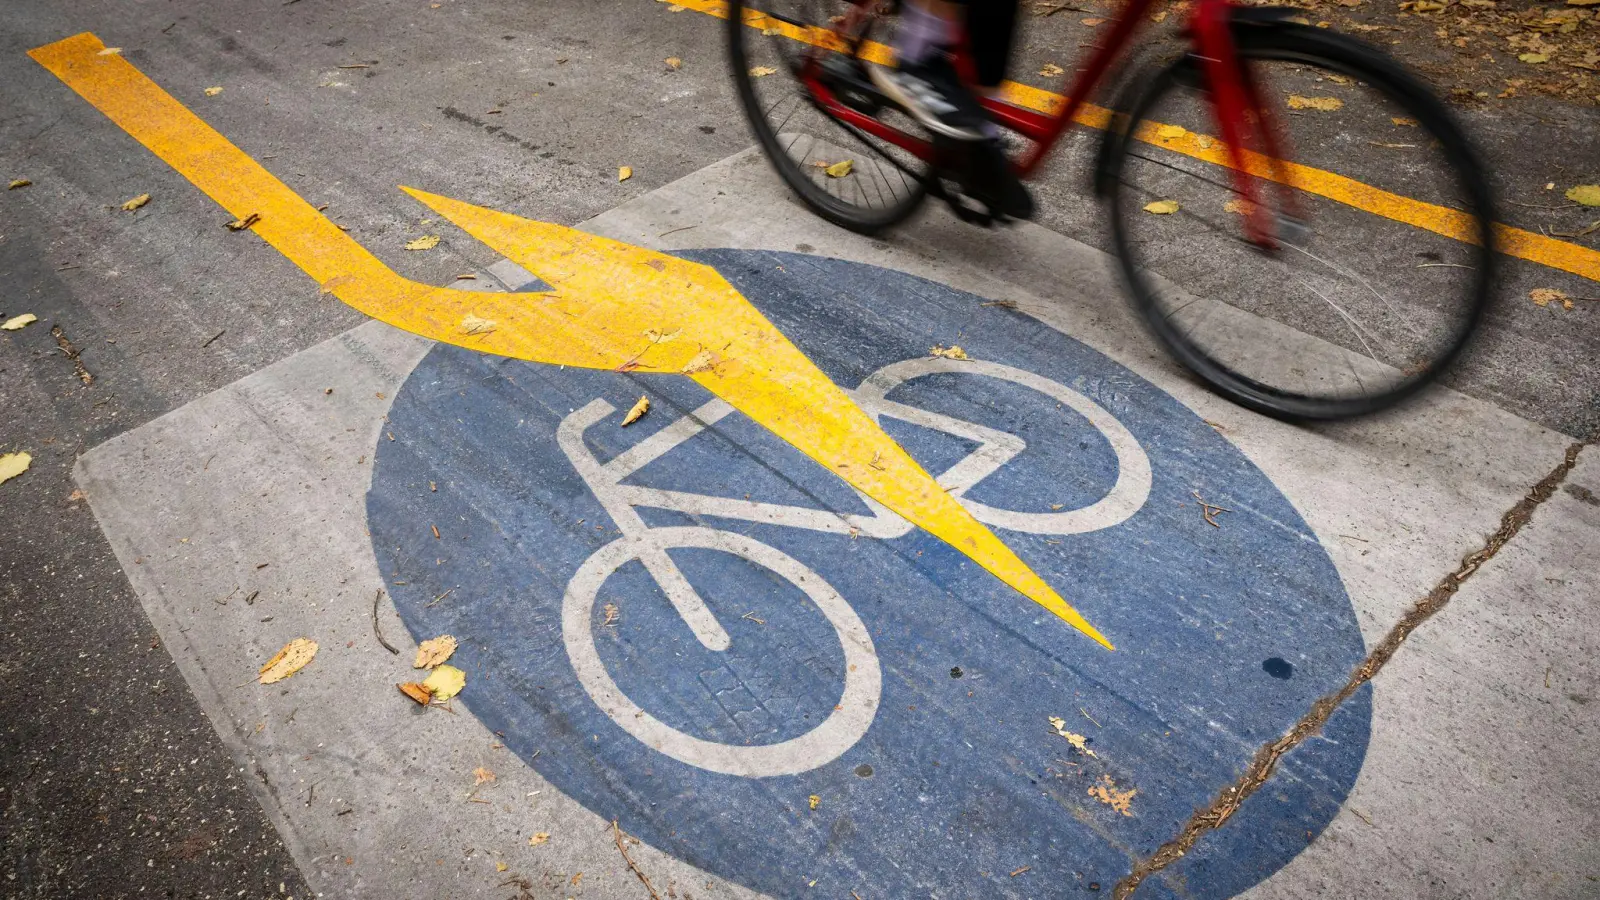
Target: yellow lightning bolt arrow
[{"x": 605, "y": 296}]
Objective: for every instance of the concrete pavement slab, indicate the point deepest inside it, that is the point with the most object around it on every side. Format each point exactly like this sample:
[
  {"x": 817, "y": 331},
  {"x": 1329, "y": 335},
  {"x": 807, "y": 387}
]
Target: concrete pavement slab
[{"x": 372, "y": 798}]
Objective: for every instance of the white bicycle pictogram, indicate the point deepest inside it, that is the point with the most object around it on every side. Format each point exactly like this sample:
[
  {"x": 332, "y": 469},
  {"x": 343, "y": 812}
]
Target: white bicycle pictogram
[{"x": 858, "y": 703}]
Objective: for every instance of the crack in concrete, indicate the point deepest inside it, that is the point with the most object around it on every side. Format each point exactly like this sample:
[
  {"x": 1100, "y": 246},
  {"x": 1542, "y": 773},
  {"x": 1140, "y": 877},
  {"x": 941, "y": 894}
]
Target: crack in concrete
[{"x": 1266, "y": 759}]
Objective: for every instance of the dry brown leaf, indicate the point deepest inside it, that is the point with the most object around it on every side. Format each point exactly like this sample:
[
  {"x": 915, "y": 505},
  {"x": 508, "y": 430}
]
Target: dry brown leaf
[
  {"x": 1240, "y": 206},
  {"x": 762, "y": 71},
  {"x": 624, "y": 173},
  {"x": 1547, "y": 296},
  {"x": 476, "y": 325},
  {"x": 14, "y": 464},
  {"x": 19, "y": 183},
  {"x": 213, "y": 91},
  {"x": 1162, "y": 207},
  {"x": 246, "y": 222},
  {"x": 1587, "y": 194},
  {"x": 17, "y": 323},
  {"x": 1404, "y": 122},
  {"x": 292, "y": 658},
  {"x": 426, "y": 242},
  {"x": 1093, "y": 21},
  {"x": 1051, "y": 70},
  {"x": 1106, "y": 792},
  {"x": 434, "y": 651},
  {"x": 839, "y": 169},
  {"x": 417, "y": 691},
  {"x": 1326, "y": 104},
  {"x": 481, "y": 775},
  {"x": 136, "y": 202},
  {"x": 637, "y": 412},
  {"x": 674, "y": 62},
  {"x": 1078, "y": 741},
  {"x": 445, "y": 682},
  {"x": 538, "y": 839},
  {"x": 951, "y": 352},
  {"x": 704, "y": 361}
]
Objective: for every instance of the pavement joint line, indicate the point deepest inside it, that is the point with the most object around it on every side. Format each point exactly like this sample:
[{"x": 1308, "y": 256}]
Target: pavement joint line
[
  {"x": 1451, "y": 223},
  {"x": 1266, "y": 759}
]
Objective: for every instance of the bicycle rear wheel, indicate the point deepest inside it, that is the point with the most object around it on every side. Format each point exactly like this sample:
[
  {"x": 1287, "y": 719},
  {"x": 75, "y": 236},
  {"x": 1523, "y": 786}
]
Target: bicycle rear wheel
[
  {"x": 1362, "y": 302},
  {"x": 773, "y": 45}
]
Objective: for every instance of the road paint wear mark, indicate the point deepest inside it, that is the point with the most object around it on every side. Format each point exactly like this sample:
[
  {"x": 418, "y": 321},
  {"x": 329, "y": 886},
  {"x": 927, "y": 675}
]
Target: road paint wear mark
[
  {"x": 1440, "y": 220},
  {"x": 605, "y": 296}
]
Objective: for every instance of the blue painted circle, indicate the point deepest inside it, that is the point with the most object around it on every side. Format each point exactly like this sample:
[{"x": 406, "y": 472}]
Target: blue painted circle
[{"x": 961, "y": 779}]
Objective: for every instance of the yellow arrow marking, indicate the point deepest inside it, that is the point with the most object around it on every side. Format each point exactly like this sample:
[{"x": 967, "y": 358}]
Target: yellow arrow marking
[{"x": 605, "y": 296}]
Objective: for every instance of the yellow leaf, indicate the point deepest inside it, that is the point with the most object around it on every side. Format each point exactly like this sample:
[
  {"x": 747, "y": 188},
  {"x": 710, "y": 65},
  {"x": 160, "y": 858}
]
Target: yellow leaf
[
  {"x": 475, "y": 325},
  {"x": 1078, "y": 741},
  {"x": 1171, "y": 131},
  {"x": 426, "y": 242},
  {"x": 1051, "y": 70},
  {"x": 1326, "y": 104},
  {"x": 434, "y": 651},
  {"x": 1107, "y": 793},
  {"x": 500, "y": 867},
  {"x": 1587, "y": 194},
  {"x": 762, "y": 71},
  {"x": 136, "y": 202},
  {"x": 481, "y": 775},
  {"x": 445, "y": 682},
  {"x": 1404, "y": 122},
  {"x": 416, "y": 691},
  {"x": 1239, "y": 205},
  {"x": 1547, "y": 296},
  {"x": 1162, "y": 207},
  {"x": 14, "y": 464},
  {"x": 703, "y": 361},
  {"x": 1204, "y": 141},
  {"x": 19, "y": 183},
  {"x": 638, "y": 411},
  {"x": 538, "y": 839},
  {"x": 674, "y": 63},
  {"x": 839, "y": 169},
  {"x": 814, "y": 800},
  {"x": 951, "y": 352},
  {"x": 246, "y": 222},
  {"x": 213, "y": 91},
  {"x": 291, "y": 659},
  {"x": 624, "y": 173},
  {"x": 1533, "y": 59},
  {"x": 657, "y": 336},
  {"x": 17, "y": 323},
  {"x": 109, "y": 51}
]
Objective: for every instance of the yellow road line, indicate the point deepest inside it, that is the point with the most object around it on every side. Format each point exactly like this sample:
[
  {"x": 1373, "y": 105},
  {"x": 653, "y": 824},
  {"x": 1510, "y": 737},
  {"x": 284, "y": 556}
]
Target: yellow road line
[
  {"x": 610, "y": 307},
  {"x": 1441, "y": 220}
]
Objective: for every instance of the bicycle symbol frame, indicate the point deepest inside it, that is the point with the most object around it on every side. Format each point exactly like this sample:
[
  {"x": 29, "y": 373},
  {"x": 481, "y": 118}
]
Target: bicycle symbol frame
[{"x": 853, "y": 714}]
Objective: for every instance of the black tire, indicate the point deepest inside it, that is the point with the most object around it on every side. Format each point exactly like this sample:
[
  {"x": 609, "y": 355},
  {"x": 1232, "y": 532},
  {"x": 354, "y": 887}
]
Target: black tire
[
  {"x": 896, "y": 185},
  {"x": 1234, "y": 366}
]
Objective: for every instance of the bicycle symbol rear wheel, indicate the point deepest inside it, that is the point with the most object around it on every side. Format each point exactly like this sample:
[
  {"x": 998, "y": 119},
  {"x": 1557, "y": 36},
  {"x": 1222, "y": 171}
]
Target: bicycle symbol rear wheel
[{"x": 848, "y": 722}]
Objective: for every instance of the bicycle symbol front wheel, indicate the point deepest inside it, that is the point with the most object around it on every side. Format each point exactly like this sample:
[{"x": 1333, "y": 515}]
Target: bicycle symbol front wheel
[{"x": 851, "y": 716}]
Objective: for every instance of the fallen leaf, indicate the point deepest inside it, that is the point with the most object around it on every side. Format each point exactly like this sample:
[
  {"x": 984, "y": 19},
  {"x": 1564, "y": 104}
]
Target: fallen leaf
[
  {"x": 624, "y": 173},
  {"x": 109, "y": 51},
  {"x": 445, "y": 682},
  {"x": 656, "y": 336},
  {"x": 467, "y": 276},
  {"x": 1107, "y": 793},
  {"x": 1533, "y": 59},
  {"x": 612, "y": 613},
  {"x": 814, "y": 800},
  {"x": 1547, "y": 296},
  {"x": 1171, "y": 131},
  {"x": 951, "y": 352},
  {"x": 1404, "y": 122},
  {"x": 1092, "y": 21},
  {"x": 1051, "y": 70},
  {"x": 1239, "y": 205},
  {"x": 637, "y": 412},
  {"x": 538, "y": 839},
  {"x": 433, "y": 651},
  {"x": 417, "y": 691},
  {"x": 839, "y": 169},
  {"x": 1587, "y": 194},
  {"x": 246, "y": 222},
  {"x": 1204, "y": 141},
  {"x": 674, "y": 63},
  {"x": 1326, "y": 104},
  {"x": 704, "y": 361},
  {"x": 426, "y": 242},
  {"x": 291, "y": 659},
  {"x": 14, "y": 464},
  {"x": 1078, "y": 741},
  {"x": 481, "y": 775},
  {"x": 213, "y": 91},
  {"x": 19, "y": 183},
  {"x": 500, "y": 867},
  {"x": 576, "y": 880},
  {"x": 17, "y": 323},
  {"x": 762, "y": 71},
  {"x": 1583, "y": 2},
  {"x": 1162, "y": 207},
  {"x": 475, "y": 325},
  {"x": 136, "y": 202}
]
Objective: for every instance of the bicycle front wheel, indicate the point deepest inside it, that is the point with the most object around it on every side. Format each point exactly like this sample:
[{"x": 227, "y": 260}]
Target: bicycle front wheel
[
  {"x": 1379, "y": 262},
  {"x": 780, "y": 49}
]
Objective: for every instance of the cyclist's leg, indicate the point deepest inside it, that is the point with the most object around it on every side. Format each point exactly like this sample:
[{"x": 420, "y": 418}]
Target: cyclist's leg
[
  {"x": 924, "y": 82},
  {"x": 991, "y": 32}
]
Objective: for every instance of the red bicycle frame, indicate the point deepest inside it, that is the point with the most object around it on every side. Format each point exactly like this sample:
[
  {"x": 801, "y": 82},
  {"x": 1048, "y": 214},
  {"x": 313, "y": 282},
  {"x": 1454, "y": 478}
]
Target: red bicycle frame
[{"x": 1244, "y": 124}]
